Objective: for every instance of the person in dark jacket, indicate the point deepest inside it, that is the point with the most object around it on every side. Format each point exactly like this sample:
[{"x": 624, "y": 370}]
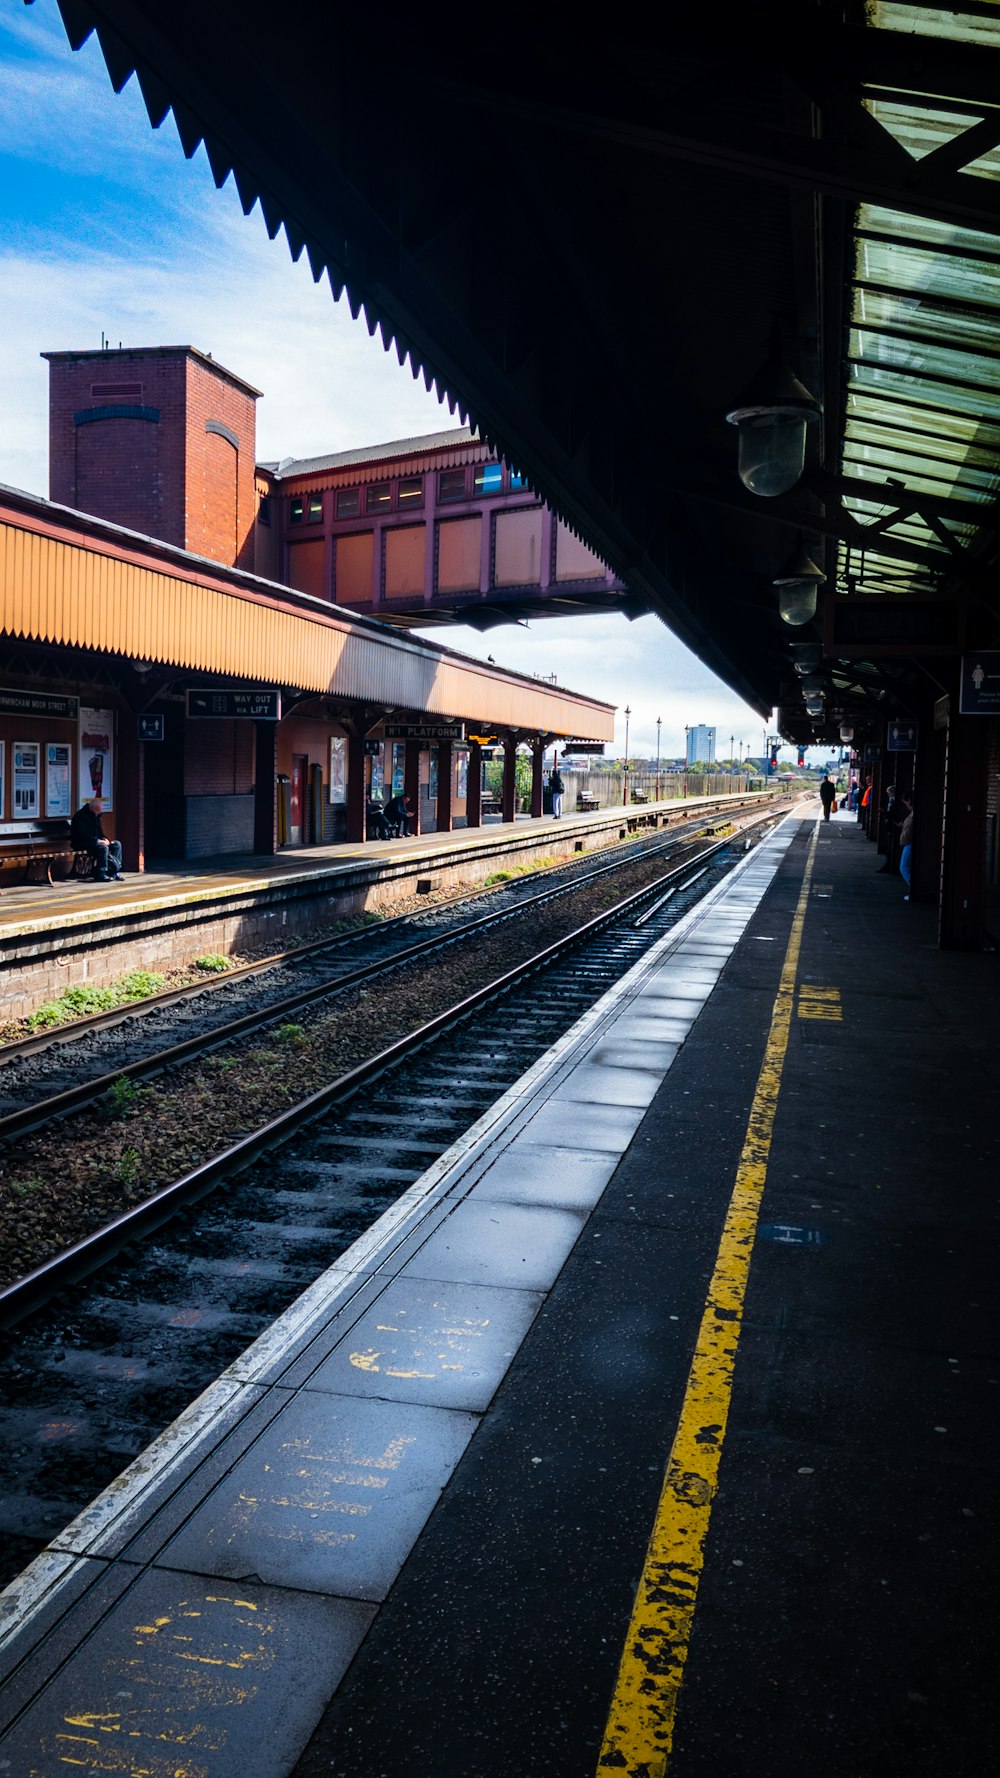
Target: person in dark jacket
[
  {"x": 397, "y": 813},
  {"x": 827, "y": 796},
  {"x": 558, "y": 789},
  {"x": 87, "y": 835}
]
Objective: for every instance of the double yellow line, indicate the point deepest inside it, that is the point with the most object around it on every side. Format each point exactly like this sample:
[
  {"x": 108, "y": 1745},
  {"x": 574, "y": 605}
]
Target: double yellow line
[{"x": 639, "y": 1735}]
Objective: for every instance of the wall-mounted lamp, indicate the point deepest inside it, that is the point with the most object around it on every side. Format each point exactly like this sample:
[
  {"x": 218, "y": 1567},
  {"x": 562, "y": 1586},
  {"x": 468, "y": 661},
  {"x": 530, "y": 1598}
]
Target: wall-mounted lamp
[
  {"x": 846, "y": 732},
  {"x": 797, "y": 584},
  {"x": 773, "y": 415}
]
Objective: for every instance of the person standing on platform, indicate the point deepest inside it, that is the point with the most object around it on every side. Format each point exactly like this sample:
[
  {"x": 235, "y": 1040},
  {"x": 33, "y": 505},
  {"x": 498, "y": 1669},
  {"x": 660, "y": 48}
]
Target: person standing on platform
[
  {"x": 827, "y": 796},
  {"x": 558, "y": 789},
  {"x": 87, "y": 835},
  {"x": 906, "y": 844}
]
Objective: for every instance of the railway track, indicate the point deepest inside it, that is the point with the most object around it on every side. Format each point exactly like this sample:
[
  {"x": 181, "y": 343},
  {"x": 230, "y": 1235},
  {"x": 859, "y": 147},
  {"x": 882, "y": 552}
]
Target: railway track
[
  {"x": 46, "y": 1076},
  {"x": 106, "y": 1363}
]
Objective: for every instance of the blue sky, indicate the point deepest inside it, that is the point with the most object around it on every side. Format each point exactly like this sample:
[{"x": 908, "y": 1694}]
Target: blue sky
[{"x": 105, "y": 227}]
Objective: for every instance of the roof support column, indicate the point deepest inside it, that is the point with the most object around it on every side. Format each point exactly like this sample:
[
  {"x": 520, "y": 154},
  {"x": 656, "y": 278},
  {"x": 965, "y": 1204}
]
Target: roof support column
[
  {"x": 474, "y": 790},
  {"x": 411, "y": 782},
  {"x": 963, "y": 854},
  {"x": 537, "y": 756},
  {"x": 446, "y": 777},
  {"x": 265, "y": 839},
  {"x": 131, "y": 786},
  {"x": 928, "y": 804},
  {"x": 509, "y": 780}
]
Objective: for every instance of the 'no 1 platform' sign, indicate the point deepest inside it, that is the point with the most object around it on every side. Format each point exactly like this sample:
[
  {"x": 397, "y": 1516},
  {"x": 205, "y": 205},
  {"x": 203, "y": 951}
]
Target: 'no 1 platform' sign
[{"x": 980, "y": 692}]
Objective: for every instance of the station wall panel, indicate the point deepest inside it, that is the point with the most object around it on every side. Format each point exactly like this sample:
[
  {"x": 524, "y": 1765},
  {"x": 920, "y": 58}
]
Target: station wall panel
[
  {"x": 459, "y": 543},
  {"x": 353, "y": 562},
  {"x": 405, "y": 555},
  {"x": 518, "y": 547},
  {"x": 574, "y": 561}
]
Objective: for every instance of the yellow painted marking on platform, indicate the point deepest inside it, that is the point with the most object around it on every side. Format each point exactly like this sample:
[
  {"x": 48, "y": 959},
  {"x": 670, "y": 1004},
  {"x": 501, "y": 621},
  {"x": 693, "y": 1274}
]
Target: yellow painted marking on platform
[
  {"x": 639, "y": 1734},
  {"x": 819, "y": 1003}
]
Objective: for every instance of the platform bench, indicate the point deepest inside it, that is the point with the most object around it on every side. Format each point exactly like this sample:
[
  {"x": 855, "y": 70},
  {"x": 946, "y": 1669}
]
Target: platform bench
[
  {"x": 586, "y": 802},
  {"x": 36, "y": 847}
]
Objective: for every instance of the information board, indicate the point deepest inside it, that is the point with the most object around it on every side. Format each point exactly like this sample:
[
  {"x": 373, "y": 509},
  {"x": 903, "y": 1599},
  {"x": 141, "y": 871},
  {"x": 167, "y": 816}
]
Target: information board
[{"x": 244, "y": 706}]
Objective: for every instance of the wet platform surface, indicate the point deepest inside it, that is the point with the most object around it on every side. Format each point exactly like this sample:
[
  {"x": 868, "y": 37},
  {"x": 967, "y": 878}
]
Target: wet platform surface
[{"x": 402, "y": 1536}]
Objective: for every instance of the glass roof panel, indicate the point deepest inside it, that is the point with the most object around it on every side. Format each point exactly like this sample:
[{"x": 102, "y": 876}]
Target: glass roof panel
[
  {"x": 896, "y": 380},
  {"x": 918, "y": 472},
  {"x": 943, "y": 362},
  {"x": 936, "y": 21},
  {"x": 929, "y": 419},
  {"x": 942, "y": 456},
  {"x": 921, "y": 313},
  {"x": 922, "y": 389}
]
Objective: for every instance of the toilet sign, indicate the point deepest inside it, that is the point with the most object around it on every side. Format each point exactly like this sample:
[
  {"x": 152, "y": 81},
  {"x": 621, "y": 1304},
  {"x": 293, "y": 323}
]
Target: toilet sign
[{"x": 980, "y": 690}]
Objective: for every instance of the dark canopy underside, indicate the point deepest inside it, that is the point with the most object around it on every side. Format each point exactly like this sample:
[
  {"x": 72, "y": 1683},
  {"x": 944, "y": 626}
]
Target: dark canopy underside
[{"x": 589, "y": 241}]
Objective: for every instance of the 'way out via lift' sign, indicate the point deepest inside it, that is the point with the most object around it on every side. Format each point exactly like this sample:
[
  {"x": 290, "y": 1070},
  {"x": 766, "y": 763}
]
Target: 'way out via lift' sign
[{"x": 980, "y": 692}]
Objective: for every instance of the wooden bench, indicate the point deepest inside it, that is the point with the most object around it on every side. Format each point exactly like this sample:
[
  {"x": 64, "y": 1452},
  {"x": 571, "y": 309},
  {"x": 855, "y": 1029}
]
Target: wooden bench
[
  {"x": 640, "y": 796},
  {"x": 490, "y": 804},
  {"x": 586, "y": 802},
  {"x": 39, "y": 846}
]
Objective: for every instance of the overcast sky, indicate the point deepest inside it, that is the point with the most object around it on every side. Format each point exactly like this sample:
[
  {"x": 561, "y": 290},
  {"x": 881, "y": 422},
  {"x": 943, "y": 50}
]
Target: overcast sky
[{"x": 104, "y": 227}]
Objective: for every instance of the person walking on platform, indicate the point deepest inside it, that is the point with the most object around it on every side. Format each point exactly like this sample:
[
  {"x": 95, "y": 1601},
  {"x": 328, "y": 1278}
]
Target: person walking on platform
[
  {"x": 558, "y": 790},
  {"x": 906, "y": 845},
  {"x": 87, "y": 835},
  {"x": 827, "y": 796}
]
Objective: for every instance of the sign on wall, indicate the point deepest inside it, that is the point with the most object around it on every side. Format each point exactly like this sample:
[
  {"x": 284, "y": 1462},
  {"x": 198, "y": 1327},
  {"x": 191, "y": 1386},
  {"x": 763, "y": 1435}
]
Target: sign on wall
[
  {"x": 980, "y": 686},
  {"x": 27, "y": 765},
  {"x": 247, "y": 706},
  {"x": 425, "y": 731},
  {"x": 95, "y": 775},
  {"x": 58, "y": 779},
  {"x": 902, "y": 737},
  {"x": 150, "y": 728},
  {"x": 37, "y": 703},
  {"x": 338, "y": 768}
]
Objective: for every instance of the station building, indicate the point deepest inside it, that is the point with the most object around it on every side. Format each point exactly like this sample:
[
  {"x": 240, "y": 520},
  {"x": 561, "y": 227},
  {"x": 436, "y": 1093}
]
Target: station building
[{"x": 150, "y": 653}]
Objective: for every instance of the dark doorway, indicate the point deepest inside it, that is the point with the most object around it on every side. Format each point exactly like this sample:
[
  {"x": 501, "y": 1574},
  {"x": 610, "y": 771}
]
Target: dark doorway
[{"x": 163, "y": 799}]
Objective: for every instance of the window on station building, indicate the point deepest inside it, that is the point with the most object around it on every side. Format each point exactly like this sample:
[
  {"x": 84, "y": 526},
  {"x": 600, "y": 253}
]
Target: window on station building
[
  {"x": 295, "y": 510},
  {"x": 264, "y": 510},
  {"x": 348, "y": 503},
  {"x": 411, "y": 491},
  {"x": 315, "y": 507},
  {"x": 451, "y": 484},
  {"x": 489, "y": 478},
  {"x": 378, "y": 498},
  {"x": 517, "y": 481}
]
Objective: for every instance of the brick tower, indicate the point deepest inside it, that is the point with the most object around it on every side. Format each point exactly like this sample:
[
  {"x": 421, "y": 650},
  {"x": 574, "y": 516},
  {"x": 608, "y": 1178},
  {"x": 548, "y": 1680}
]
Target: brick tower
[{"x": 161, "y": 439}]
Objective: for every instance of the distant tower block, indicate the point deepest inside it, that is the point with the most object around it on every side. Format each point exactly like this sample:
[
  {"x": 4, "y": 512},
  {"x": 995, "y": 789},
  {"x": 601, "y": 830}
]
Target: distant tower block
[{"x": 161, "y": 439}]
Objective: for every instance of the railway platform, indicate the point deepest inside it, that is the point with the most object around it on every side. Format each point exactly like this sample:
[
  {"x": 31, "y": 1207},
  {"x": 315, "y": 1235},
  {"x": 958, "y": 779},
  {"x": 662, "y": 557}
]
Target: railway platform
[
  {"x": 56, "y": 935},
  {"x": 653, "y": 1430}
]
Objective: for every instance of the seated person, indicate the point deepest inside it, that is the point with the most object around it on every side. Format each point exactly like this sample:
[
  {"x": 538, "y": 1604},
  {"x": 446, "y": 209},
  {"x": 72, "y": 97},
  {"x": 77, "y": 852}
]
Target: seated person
[
  {"x": 397, "y": 813},
  {"x": 376, "y": 825},
  {"x": 87, "y": 835}
]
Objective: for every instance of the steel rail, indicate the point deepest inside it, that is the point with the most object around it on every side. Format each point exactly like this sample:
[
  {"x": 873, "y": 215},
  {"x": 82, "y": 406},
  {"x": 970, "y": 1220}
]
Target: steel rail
[
  {"x": 38, "y": 1287},
  {"x": 42, "y": 1111},
  {"x": 23, "y": 1047}
]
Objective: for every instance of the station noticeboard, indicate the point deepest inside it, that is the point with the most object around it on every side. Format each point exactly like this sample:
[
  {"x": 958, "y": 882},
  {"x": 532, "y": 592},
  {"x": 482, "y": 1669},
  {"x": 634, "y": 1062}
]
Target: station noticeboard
[
  {"x": 425, "y": 731},
  {"x": 902, "y": 737},
  {"x": 244, "y": 705},
  {"x": 980, "y": 684}
]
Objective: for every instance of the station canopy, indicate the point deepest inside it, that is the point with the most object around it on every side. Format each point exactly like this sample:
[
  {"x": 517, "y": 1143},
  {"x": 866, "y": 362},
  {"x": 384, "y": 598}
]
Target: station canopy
[{"x": 600, "y": 243}]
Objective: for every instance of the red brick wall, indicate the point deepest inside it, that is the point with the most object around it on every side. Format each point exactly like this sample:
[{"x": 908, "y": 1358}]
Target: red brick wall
[
  {"x": 221, "y": 504},
  {"x": 126, "y": 470},
  {"x": 171, "y": 478},
  {"x": 218, "y": 758}
]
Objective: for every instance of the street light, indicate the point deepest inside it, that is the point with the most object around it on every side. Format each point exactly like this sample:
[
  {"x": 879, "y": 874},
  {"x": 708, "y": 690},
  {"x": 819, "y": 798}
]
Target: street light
[
  {"x": 659, "y": 725},
  {"x": 625, "y": 791}
]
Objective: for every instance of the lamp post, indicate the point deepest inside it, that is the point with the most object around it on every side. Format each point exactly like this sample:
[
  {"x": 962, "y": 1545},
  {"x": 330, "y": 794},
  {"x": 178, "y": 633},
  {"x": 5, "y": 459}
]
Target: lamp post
[
  {"x": 732, "y": 756},
  {"x": 659, "y": 725},
  {"x": 625, "y": 790}
]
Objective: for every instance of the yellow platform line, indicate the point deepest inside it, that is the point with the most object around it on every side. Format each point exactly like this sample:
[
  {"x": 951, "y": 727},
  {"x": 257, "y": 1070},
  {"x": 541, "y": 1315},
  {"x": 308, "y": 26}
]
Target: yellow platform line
[{"x": 639, "y": 1735}]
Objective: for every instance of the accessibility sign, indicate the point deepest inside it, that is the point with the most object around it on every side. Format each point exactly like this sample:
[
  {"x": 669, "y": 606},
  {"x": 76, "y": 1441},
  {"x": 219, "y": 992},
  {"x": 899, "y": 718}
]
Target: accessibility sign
[
  {"x": 980, "y": 689},
  {"x": 902, "y": 737}
]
